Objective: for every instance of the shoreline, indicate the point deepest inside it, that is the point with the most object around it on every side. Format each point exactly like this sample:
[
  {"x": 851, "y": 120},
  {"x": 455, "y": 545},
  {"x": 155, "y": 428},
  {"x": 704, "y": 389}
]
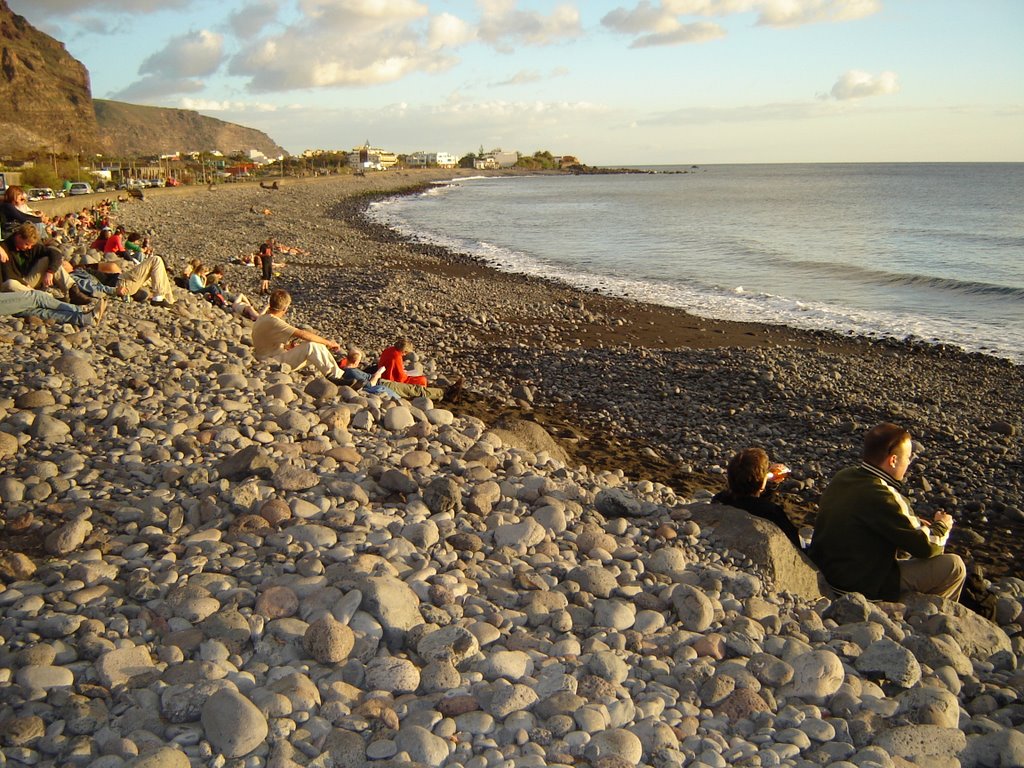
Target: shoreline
[
  {"x": 357, "y": 217},
  {"x": 652, "y": 391}
]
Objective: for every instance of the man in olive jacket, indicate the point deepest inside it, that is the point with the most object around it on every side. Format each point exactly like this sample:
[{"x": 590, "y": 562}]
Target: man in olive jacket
[{"x": 864, "y": 521}]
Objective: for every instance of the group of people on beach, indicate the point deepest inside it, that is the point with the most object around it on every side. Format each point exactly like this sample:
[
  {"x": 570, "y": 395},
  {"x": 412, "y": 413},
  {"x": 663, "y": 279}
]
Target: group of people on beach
[
  {"x": 273, "y": 338},
  {"x": 35, "y": 264},
  {"x": 36, "y": 261},
  {"x": 866, "y": 537}
]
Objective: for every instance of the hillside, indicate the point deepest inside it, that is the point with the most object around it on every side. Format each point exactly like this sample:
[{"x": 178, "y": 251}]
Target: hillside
[
  {"x": 130, "y": 129},
  {"x": 45, "y": 92},
  {"x": 48, "y": 107}
]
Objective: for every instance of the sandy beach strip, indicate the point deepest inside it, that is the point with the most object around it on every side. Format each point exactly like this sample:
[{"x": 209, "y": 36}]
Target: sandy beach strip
[{"x": 652, "y": 391}]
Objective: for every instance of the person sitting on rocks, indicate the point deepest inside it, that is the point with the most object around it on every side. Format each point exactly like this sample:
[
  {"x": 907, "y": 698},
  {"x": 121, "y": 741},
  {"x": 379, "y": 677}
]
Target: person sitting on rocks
[
  {"x": 197, "y": 283},
  {"x": 32, "y": 303},
  {"x": 350, "y": 363},
  {"x": 275, "y": 339},
  {"x": 864, "y": 521},
  {"x": 136, "y": 248},
  {"x": 151, "y": 275},
  {"x": 108, "y": 242},
  {"x": 752, "y": 484},
  {"x": 26, "y": 263},
  {"x": 14, "y": 211},
  {"x": 237, "y": 303},
  {"x": 392, "y": 361}
]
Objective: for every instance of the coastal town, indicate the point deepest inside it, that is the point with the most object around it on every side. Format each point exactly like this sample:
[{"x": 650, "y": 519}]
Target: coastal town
[{"x": 53, "y": 174}]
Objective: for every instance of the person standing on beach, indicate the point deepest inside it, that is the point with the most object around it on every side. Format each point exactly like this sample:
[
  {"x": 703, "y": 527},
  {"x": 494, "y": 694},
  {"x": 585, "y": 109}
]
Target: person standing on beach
[
  {"x": 864, "y": 520},
  {"x": 752, "y": 484},
  {"x": 265, "y": 261}
]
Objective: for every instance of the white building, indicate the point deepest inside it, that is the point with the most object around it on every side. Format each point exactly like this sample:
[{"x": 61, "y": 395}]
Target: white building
[
  {"x": 433, "y": 160},
  {"x": 371, "y": 158}
]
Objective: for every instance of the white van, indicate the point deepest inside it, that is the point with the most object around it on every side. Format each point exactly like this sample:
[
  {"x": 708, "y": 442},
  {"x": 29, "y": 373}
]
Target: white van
[{"x": 80, "y": 188}]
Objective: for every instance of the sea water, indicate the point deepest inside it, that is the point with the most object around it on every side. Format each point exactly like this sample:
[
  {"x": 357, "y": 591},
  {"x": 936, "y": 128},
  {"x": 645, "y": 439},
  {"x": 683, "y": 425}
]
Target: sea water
[{"x": 927, "y": 251}]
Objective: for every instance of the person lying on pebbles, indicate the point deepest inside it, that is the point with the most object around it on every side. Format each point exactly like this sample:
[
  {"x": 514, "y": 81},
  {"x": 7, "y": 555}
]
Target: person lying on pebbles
[{"x": 151, "y": 275}]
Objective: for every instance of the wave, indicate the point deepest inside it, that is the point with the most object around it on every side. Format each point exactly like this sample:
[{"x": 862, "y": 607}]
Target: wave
[{"x": 847, "y": 272}]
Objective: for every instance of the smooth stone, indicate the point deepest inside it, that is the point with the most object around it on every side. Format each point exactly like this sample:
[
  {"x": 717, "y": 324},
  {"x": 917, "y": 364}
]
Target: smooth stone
[
  {"x": 119, "y": 666},
  {"x": 233, "y": 724},
  {"x": 394, "y": 675},
  {"x": 44, "y": 678}
]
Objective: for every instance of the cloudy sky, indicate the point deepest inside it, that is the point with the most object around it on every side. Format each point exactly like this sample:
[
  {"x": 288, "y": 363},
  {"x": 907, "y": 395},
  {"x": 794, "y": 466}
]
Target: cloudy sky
[{"x": 611, "y": 81}]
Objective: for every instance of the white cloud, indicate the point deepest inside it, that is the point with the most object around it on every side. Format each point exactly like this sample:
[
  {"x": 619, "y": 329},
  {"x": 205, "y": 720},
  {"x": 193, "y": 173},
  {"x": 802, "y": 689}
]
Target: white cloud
[
  {"x": 697, "y": 32},
  {"x": 643, "y": 19},
  {"x": 751, "y": 113},
  {"x": 531, "y": 76},
  {"x": 157, "y": 88},
  {"x": 250, "y": 19},
  {"x": 351, "y": 43},
  {"x": 81, "y": 6},
  {"x": 794, "y": 13},
  {"x": 448, "y": 31},
  {"x": 178, "y": 68},
  {"x": 457, "y": 126},
  {"x": 195, "y": 54},
  {"x": 211, "y": 105},
  {"x": 663, "y": 22},
  {"x": 855, "y": 84},
  {"x": 503, "y": 25}
]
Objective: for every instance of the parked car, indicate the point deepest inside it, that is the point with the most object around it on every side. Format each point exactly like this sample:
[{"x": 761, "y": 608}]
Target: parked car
[
  {"x": 154, "y": 183},
  {"x": 41, "y": 193},
  {"x": 80, "y": 188},
  {"x": 172, "y": 182}
]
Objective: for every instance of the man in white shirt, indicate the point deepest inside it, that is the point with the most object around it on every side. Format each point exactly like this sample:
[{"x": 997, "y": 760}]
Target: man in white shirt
[{"x": 275, "y": 339}]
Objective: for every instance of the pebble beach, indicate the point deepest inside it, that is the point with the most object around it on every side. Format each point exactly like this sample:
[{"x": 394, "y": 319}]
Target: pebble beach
[{"x": 209, "y": 561}]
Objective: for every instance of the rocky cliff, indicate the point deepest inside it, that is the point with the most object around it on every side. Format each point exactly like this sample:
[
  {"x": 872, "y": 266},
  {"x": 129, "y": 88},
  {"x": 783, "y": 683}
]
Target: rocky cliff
[
  {"x": 46, "y": 105},
  {"x": 129, "y": 129},
  {"x": 44, "y": 92}
]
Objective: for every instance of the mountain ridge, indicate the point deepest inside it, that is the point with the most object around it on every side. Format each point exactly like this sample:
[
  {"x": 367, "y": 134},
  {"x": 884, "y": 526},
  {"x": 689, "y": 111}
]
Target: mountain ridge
[{"x": 49, "y": 108}]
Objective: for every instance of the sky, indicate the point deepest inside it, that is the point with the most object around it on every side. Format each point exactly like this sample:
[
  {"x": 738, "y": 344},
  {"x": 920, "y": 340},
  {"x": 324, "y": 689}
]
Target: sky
[{"x": 617, "y": 82}]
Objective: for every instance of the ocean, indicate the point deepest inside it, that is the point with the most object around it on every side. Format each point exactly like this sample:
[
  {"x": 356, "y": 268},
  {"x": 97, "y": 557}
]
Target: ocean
[{"x": 933, "y": 252}]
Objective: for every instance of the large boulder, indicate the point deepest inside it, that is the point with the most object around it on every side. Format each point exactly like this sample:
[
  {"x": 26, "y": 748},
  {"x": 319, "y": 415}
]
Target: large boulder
[
  {"x": 978, "y": 637},
  {"x": 529, "y": 436},
  {"x": 765, "y": 544}
]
